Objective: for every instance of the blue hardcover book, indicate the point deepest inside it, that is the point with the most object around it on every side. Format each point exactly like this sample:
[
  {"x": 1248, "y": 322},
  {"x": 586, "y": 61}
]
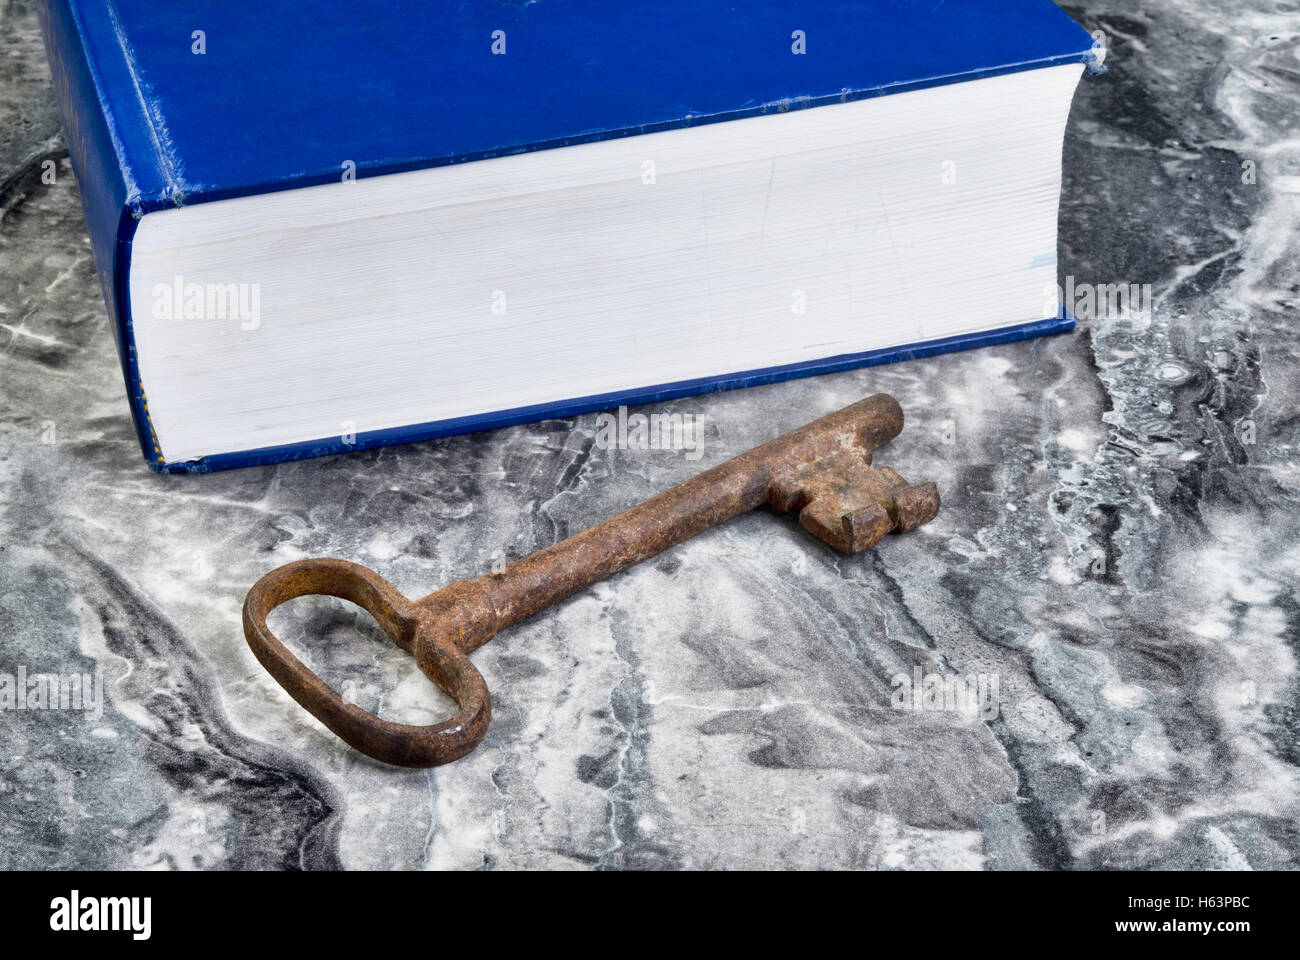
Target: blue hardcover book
[{"x": 339, "y": 225}]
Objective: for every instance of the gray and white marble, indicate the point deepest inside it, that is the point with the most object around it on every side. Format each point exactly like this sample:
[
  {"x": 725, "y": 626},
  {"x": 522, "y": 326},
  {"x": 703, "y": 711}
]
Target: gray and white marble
[{"x": 1119, "y": 546}]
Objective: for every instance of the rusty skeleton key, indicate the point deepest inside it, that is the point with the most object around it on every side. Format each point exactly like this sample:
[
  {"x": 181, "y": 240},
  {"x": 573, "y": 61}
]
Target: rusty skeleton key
[{"x": 823, "y": 470}]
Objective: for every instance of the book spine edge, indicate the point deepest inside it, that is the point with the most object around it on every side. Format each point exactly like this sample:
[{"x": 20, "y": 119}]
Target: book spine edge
[{"x": 110, "y": 197}]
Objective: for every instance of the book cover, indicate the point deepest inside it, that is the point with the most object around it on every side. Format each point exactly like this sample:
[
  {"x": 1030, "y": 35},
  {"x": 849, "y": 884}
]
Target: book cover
[{"x": 165, "y": 107}]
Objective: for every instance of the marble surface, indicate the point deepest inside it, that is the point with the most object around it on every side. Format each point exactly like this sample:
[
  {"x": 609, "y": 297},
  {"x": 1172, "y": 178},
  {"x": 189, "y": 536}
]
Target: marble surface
[{"x": 1118, "y": 549}]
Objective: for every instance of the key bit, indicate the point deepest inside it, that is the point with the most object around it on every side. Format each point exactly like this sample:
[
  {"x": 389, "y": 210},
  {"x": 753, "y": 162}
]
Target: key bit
[
  {"x": 823, "y": 470},
  {"x": 851, "y": 505}
]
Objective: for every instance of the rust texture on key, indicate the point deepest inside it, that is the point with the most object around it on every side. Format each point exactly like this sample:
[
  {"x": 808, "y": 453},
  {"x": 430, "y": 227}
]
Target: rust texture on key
[{"x": 823, "y": 470}]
